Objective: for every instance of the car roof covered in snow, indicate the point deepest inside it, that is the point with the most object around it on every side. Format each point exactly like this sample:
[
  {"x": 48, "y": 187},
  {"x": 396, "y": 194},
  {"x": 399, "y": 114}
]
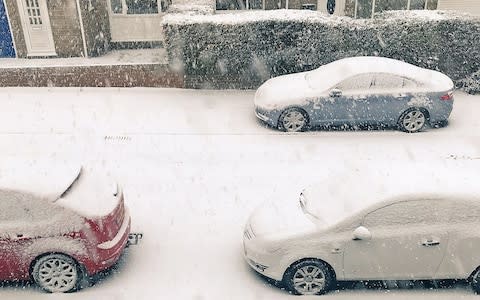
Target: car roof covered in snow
[
  {"x": 349, "y": 192},
  {"x": 331, "y": 74},
  {"x": 46, "y": 179}
]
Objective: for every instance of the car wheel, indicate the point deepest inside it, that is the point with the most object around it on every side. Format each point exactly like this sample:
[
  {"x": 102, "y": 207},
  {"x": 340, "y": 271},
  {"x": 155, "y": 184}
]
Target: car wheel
[
  {"x": 57, "y": 273},
  {"x": 293, "y": 120},
  {"x": 475, "y": 281},
  {"x": 412, "y": 120},
  {"x": 309, "y": 277}
]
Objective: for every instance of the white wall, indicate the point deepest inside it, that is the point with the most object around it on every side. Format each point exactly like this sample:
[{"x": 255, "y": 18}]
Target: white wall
[
  {"x": 339, "y": 7},
  {"x": 470, "y": 6}
]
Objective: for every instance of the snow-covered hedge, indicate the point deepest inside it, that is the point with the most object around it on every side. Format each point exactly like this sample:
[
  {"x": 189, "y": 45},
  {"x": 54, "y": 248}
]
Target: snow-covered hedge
[
  {"x": 242, "y": 50},
  {"x": 471, "y": 84}
]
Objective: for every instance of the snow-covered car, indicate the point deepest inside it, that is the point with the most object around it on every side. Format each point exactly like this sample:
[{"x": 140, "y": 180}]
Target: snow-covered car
[
  {"x": 357, "y": 91},
  {"x": 338, "y": 234},
  {"x": 59, "y": 225}
]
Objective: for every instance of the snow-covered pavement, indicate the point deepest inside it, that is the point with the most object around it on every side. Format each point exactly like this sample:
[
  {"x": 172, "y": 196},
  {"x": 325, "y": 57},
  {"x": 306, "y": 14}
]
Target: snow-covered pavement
[{"x": 194, "y": 164}]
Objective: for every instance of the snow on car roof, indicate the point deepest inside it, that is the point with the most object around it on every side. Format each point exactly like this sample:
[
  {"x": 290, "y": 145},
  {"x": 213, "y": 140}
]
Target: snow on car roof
[
  {"x": 45, "y": 179},
  {"x": 330, "y": 74},
  {"x": 346, "y": 193}
]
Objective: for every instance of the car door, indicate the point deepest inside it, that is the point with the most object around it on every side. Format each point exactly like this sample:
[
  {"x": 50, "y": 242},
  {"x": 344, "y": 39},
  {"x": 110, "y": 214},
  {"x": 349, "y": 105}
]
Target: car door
[
  {"x": 343, "y": 100},
  {"x": 389, "y": 98},
  {"x": 15, "y": 224},
  {"x": 408, "y": 241}
]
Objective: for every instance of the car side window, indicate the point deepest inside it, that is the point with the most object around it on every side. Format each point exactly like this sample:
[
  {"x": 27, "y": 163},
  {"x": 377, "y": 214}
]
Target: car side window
[
  {"x": 418, "y": 212},
  {"x": 384, "y": 81},
  {"x": 409, "y": 83},
  {"x": 16, "y": 207},
  {"x": 356, "y": 83},
  {"x": 464, "y": 212},
  {"x": 12, "y": 207}
]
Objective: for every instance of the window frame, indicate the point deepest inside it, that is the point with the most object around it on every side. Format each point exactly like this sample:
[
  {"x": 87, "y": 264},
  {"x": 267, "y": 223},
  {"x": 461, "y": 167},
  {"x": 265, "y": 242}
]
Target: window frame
[
  {"x": 161, "y": 4},
  {"x": 247, "y": 6}
]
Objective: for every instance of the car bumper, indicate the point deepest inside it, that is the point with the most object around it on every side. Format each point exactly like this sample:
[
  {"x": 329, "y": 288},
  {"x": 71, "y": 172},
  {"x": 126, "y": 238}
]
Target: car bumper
[
  {"x": 108, "y": 253},
  {"x": 268, "y": 116},
  {"x": 262, "y": 262}
]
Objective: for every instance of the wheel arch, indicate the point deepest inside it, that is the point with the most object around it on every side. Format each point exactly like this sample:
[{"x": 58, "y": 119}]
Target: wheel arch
[
  {"x": 424, "y": 110},
  {"x": 470, "y": 277},
  {"x": 38, "y": 257},
  {"x": 283, "y": 110},
  {"x": 328, "y": 265}
]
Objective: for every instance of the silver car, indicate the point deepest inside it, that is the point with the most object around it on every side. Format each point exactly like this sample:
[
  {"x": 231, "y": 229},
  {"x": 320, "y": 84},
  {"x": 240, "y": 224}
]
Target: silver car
[
  {"x": 313, "y": 244},
  {"x": 357, "y": 91}
]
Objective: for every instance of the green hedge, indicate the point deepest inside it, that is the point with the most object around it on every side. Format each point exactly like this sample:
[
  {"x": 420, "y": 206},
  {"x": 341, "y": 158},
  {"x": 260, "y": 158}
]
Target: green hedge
[{"x": 242, "y": 50}]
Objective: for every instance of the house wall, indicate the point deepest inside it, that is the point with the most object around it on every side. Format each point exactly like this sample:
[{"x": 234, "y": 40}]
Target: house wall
[
  {"x": 470, "y": 6},
  {"x": 17, "y": 31},
  {"x": 66, "y": 30},
  {"x": 65, "y": 27}
]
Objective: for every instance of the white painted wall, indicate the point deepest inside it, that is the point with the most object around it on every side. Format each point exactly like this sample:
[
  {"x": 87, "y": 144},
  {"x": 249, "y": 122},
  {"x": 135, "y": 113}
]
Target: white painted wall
[
  {"x": 339, "y": 7},
  {"x": 470, "y": 6}
]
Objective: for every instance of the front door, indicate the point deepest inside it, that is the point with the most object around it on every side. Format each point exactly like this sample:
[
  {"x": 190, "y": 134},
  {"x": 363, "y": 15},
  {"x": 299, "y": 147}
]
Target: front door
[
  {"x": 409, "y": 241},
  {"x": 36, "y": 27},
  {"x": 6, "y": 43}
]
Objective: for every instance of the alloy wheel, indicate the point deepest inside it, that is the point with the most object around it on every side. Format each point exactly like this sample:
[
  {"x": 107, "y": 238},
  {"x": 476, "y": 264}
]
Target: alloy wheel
[
  {"x": 294, "y": 121},
  {"x": 309, "y": 280},
  {"x": 57, "y": 274},
  {"x": 413, "y": 120}
]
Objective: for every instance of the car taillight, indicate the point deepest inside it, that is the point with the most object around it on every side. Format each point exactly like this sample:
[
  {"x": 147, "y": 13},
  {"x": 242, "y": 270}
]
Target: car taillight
[{"x": 448, "y": 96}]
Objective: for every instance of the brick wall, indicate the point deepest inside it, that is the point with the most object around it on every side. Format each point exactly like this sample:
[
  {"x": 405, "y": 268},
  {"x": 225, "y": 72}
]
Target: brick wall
[
  {"x": 92, "y": 76},
  {"x": 65, "y": 27},
  {"x": 17, "y": 31}
]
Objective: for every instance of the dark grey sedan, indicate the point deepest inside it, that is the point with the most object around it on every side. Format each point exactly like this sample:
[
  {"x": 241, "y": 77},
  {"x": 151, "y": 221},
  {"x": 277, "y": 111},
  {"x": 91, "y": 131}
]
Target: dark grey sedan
[{"x": 357, "y": 91}]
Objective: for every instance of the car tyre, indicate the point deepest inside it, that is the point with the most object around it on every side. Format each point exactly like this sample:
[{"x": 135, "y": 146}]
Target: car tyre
[
  {"x": 412, "y": 120},
  {"x": 293, "y": 120},
  {"x": 475, "y": 281},
  {"x": 57, "y": 273},
  {"x": 309, "y": 277}
]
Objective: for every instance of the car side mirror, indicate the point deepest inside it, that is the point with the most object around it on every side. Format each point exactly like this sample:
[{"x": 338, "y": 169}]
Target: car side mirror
[
  {"x": 361, "y": 234},
  {"x": 335, "y": 93}
]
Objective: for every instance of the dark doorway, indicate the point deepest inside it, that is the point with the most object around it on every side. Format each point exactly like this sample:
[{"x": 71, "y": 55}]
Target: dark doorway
[{"x": 6, "y": 42}]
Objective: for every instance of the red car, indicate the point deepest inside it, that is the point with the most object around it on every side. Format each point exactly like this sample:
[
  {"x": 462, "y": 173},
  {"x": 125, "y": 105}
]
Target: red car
[{"x": 59, "y": 225}]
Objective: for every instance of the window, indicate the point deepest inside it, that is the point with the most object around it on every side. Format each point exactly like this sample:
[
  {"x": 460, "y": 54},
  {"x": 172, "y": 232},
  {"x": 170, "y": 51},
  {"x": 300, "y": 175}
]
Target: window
[
  {"x": 139, "y": 7},
  {"x": 409, "y": 213},
  {"x": 383, "y": 5},
  {"x": 417, "y": 4},
  {"x": 359, "y": 82},
  {"x": 331, "y": 6},
  {"x": 388, "y": 81},
  {"x": 239, "y": 4},
  {"x": 117, "y": 7}
]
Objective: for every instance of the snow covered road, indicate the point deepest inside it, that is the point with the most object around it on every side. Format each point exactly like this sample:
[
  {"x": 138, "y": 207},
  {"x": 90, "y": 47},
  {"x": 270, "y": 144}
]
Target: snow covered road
[{"x": 194, "y": 164}]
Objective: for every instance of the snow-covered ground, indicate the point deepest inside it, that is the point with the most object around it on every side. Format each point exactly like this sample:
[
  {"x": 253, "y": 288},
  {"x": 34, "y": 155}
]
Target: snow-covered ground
[{"x": 194, "y": 164}]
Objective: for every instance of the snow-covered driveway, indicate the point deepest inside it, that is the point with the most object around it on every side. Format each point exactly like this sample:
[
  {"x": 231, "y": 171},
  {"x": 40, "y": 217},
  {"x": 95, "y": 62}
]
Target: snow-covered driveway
[{"x": 194, "y": 164}]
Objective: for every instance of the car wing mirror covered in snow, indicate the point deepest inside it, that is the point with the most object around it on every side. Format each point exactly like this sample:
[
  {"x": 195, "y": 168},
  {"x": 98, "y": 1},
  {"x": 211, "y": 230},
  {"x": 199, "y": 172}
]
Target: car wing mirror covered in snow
[
  {"x": 361, "y": 233},
  {"x": 335, "y": 92}
]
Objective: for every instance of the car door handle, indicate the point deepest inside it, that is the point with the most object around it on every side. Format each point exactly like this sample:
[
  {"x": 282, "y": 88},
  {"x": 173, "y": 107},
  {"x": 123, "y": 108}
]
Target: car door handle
[
  {"x": 401, "y": 97},
  {"x": 430, "y": 243}
]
